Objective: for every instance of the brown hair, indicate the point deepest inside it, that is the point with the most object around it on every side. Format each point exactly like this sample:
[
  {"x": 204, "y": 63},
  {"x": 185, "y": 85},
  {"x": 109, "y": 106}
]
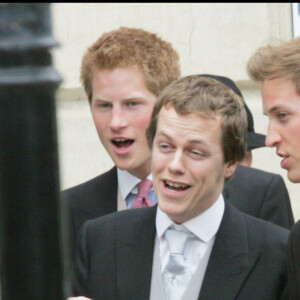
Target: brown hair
[
  {"x": 132, "y": 47},
  {"x": 209, "y": 98},
  {"x": 275, "y": 61}
]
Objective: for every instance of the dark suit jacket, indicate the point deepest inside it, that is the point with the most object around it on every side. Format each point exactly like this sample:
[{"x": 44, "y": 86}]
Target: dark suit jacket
[
  {"x": 89, "y": 200},
  {"x": 260, "y": 194},
  {"x": 252, "y": 191},
  {"x": 115, "y": 254},
  {"x": 294, "y": 263}
]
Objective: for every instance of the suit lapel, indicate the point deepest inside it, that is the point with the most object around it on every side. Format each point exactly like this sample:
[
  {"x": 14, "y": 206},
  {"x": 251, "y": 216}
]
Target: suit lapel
[
  {"x": 134, "y": 255},
  {"x": 231, "y": 258}
]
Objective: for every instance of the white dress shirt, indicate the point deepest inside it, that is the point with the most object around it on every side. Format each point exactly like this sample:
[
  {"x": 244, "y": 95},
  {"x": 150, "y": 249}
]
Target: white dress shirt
[{"x": 204, "y": 227}]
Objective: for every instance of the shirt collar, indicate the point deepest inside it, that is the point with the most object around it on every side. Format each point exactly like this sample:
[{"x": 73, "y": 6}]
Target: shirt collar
[
  {"x": 204, "y": 226},
  {"x": 127, "y": 182}
]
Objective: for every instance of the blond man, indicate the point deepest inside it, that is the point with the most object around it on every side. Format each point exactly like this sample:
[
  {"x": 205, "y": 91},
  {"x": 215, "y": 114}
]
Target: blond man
[{"x": 277, "y": 67}]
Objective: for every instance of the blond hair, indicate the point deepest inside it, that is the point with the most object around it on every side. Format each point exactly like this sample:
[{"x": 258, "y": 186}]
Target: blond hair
[{"x": 277, "y": 61}]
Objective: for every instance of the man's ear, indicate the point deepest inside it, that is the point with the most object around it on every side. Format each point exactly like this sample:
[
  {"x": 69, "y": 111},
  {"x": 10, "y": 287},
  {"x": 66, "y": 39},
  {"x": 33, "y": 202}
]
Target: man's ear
[{"x": 230, "y": 168}]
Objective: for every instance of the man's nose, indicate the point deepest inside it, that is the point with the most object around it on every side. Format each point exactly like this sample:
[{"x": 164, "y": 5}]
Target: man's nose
[
  {"x": 118, "y": 119},
  {"x": 176, "y": 165},
  {"x": 273, "y": 137}
]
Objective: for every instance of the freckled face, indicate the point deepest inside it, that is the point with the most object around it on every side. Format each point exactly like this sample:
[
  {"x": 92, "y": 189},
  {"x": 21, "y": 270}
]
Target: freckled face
[
  {"x": 281, "y": 103},
  {"x": 188, "y": 164},
  {"x": 121, "y": 107}
]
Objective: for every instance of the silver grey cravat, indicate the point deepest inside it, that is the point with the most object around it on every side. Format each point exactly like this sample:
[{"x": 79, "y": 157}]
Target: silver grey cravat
[{"x": 177, "y": 274}]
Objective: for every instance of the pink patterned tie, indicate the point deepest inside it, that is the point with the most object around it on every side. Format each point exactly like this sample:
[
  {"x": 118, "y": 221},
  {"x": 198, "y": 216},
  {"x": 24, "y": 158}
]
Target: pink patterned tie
[{"x": 142, "y": 199}]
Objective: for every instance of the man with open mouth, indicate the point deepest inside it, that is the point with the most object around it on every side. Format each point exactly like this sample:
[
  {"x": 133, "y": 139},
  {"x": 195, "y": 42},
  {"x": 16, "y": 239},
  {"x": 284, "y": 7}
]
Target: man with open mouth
[
  {"x": 122, "y": 74},
  {"x": 193, "y": 244}
]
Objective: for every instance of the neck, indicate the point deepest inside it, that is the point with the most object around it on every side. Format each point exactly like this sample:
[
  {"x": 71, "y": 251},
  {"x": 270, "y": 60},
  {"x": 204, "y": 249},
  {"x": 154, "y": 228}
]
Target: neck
[{"x": 142, "y": 171}]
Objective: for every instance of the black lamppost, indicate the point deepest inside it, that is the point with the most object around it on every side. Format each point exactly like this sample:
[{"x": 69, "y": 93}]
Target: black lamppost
[{"x": 30, "y": 235}]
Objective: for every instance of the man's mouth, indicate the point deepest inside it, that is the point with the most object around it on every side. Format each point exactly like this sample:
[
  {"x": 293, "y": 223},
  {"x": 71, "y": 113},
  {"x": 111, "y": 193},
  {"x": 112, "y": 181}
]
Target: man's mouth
[
  {"x": 122, "y": 143},
  {"x": 284, "y": 162},
  {"x": 172, "y": 186},
  {"x": 285, "y": 159}
]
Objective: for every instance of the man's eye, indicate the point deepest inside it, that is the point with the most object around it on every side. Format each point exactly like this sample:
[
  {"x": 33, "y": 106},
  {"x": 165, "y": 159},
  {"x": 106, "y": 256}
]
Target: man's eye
[
  {"x": 132, "y": 103},
  {"x": 197, "y": 154},
  {"x": 282, "y": 115},
  {"x": 103, "y": 105},
  {"x": 163, "y": 146}
]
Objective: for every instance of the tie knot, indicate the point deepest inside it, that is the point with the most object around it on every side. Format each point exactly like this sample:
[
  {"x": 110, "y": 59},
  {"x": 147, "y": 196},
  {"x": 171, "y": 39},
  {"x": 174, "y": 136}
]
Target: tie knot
[
  {"x": 144, "y": 188},
  {"x": 176, "y": 240}
]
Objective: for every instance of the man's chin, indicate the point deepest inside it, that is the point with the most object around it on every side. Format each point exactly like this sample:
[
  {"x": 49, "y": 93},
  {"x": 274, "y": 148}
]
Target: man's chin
[
  {"x": 170, "y": 209},
  {"x": 293, "y": 177},
  {"x": 123, "y": 167}
]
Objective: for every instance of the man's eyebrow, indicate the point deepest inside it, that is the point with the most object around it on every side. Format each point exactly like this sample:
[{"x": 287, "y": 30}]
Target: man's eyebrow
[
  {"x": 193, "y": 141},
  {"x": 197, "y": 142},
  {"x": 100, "y": 99},
  {"x": 127, "y": 98},
  {"x": 161, "y": 133},
  {"x": 271, "y": 110}
]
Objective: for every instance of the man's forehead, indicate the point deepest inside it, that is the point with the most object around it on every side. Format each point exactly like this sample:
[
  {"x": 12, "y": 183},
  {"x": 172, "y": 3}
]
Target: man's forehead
[{"x": 195, "y": 124}]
